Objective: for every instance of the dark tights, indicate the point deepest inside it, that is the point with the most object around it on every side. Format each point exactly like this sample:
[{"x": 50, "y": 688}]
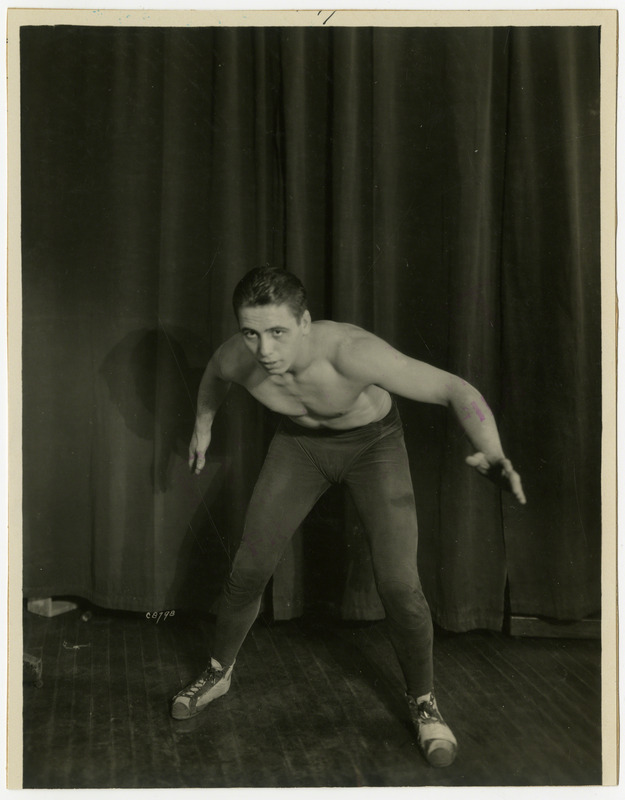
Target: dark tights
[{"x": 300, "y": 465}]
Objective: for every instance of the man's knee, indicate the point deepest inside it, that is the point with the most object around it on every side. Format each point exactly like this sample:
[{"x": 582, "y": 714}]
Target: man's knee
[
  {"x": 244, "y": 586},
  {"x": 405, "y": 605}
]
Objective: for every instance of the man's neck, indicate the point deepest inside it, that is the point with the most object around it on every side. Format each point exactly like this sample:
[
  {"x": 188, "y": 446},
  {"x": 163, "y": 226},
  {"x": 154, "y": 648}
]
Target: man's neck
[{"x": 304, "y": 358}]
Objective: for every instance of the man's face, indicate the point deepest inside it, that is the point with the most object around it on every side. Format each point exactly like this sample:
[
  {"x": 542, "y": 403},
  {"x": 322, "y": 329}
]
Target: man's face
[{"x": 273, "y": 335}]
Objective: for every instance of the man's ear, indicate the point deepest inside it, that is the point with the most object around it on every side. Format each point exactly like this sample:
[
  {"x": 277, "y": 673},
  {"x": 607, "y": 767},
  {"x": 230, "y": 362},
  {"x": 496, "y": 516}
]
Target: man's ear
[{"x": 306, "y": 321}]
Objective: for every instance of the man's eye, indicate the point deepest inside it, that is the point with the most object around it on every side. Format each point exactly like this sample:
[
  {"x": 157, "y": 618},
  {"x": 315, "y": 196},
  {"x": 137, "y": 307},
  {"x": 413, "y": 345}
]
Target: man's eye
[
  {"x": 249, "y": 334},
  {"x": 278, "y": 333}
]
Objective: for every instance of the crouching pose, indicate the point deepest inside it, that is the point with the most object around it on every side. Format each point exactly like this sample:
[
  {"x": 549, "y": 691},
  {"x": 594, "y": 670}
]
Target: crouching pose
[{"x": 333, "y": 383}]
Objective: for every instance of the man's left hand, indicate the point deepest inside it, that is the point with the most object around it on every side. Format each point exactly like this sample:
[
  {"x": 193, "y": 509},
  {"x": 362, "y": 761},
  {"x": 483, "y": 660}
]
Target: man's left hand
[{"x": 501, "y": 473}]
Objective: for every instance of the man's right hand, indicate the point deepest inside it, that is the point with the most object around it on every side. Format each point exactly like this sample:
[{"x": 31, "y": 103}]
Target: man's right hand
[{"x": 197, "y": 449}]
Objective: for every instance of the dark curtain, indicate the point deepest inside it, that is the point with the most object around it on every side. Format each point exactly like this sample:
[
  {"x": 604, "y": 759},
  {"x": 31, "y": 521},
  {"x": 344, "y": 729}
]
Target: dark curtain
[{"x": 439, "y": 187}]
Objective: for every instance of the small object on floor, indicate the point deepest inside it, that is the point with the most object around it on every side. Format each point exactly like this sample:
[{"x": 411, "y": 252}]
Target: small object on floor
[
  {"x": 86, "y": 616},
  {"x": 47, "y": 607},
  {"x": 69, "y": 646},
  {"x": 212, "y": 683},
  {"x": 437, "y": 742},
  {"x": 33, "y": 669}
]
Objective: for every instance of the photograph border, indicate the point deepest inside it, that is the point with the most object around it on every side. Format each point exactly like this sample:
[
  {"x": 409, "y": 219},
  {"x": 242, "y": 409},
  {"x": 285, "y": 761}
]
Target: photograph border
[{"x": 606, "y": 19}]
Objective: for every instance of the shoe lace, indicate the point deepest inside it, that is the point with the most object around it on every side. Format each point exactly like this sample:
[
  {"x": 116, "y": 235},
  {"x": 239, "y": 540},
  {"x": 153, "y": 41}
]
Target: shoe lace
[
  {"x": 428, "y": 712},
  {"x": 208, "y": 676}
]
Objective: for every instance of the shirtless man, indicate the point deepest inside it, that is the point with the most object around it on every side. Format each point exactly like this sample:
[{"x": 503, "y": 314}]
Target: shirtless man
[{"x": 332, "y": 382}]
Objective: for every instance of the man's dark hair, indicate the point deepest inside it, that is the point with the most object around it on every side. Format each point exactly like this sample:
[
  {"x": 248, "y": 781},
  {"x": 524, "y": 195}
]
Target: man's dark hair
[{"x": 264, "y": 286}]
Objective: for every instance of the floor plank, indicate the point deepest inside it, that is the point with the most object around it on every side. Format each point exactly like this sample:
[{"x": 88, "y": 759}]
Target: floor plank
[{"x": 314, "y": 702}]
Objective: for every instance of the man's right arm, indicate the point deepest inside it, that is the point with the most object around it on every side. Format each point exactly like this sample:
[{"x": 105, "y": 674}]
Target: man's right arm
[{"x": 213, "y": 389}]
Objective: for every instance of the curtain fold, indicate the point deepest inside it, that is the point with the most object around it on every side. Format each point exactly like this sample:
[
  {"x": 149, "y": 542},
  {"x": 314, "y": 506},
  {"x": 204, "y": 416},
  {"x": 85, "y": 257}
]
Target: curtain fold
[
  {"x": 552, "y": 182},
  {"x": 437, "y": 186},
  {"x": 471, "y": 550}
]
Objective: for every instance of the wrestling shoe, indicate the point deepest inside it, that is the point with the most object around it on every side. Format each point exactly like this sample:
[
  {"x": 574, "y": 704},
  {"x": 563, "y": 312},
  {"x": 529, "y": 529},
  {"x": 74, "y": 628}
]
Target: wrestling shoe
[
  {"x": 436, "y": 740},
  {"x": 211, "y": 684}
]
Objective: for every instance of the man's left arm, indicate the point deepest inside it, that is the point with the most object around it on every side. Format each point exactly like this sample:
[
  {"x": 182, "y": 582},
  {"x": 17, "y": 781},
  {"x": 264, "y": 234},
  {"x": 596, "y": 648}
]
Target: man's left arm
[
  {"x": 370, "y": 359},
  {"x": 479, "y": 424}
]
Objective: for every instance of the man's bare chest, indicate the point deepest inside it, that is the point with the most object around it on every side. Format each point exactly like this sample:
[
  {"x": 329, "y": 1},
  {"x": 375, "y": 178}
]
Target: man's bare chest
[{"x": 323, "y": 394}]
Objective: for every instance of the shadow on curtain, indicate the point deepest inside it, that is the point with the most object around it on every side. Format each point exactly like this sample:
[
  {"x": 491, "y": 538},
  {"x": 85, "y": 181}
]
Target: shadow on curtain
[{"x": 437, "y": 186}]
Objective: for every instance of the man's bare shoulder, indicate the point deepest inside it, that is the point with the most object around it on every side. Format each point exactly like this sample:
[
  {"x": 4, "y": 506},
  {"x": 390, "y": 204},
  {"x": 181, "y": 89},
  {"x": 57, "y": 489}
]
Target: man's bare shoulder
[
  {"x": 340, "y": 335},
  {"x": 348, "y": 347},
  {"x": 351, "y": 340},
  {"x": 233, "y": 360}
]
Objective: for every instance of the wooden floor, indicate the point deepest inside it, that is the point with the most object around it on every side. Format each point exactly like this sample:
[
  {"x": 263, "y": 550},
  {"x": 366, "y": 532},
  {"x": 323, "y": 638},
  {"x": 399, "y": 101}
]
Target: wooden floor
[{"x": 313, "y": 703}]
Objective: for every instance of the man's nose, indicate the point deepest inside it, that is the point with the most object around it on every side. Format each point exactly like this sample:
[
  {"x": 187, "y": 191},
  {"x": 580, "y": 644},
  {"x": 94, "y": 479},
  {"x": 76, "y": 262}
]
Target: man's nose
[{"x": 264, "y": 346}]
